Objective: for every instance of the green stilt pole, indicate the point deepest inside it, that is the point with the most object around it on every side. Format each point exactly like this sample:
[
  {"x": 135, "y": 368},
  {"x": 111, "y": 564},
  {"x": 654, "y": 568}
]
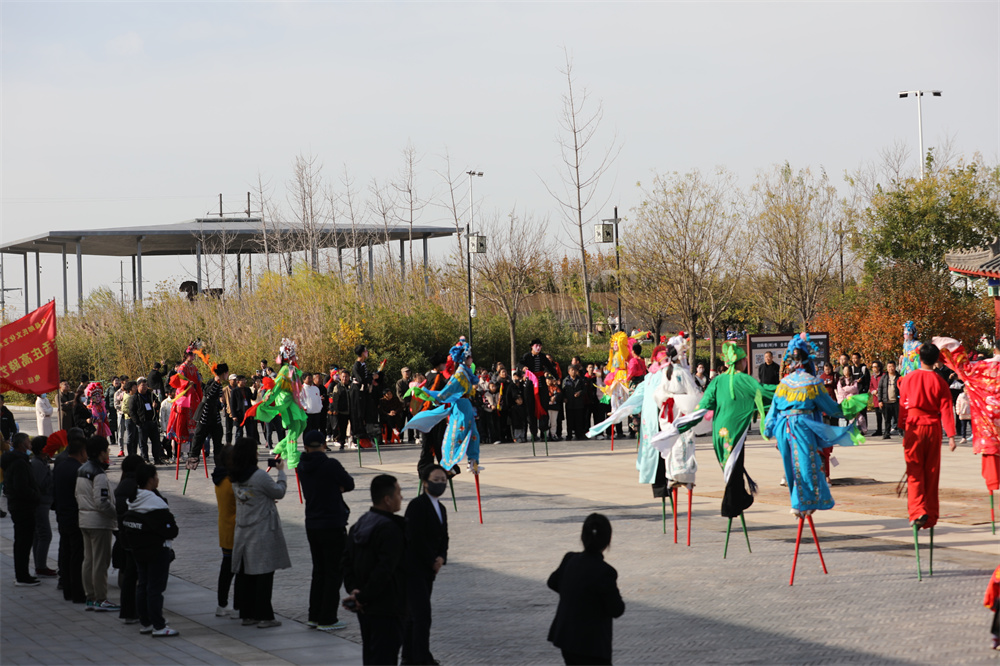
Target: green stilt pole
[
  {"x": 671, "y": 495},
  {"x": 546, "y": 444},
  {"x": 916, "y": 547},
  {"x": 745, "y": 533},
  {"x": 533, "y": 445},
  {"x": 359, "y": 454},
  {"x": 729, "y": 528},
  {"x": 993, "y": 521},
  {"x": 453, "y": 502},
  {"x": 188, "y": 474},
  {"x": 377, "y": 450},
  {"x": 664, "y": 514},
  {"x": 930, "y": 566}
]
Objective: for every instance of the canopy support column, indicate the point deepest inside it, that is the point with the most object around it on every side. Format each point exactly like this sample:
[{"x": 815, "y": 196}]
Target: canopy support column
[
  {"x": 138, "y": 264},
  {"x": 79, "y": 274}
]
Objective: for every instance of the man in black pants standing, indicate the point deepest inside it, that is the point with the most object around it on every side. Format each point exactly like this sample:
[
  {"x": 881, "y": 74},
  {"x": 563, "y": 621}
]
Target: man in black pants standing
[
  {"x": 68, "y": 516},
  {"x": 208, "y": 416},
  {"x": 539, "y": 365},
  {"x": 324, "y": 481},
  {"x": 22, "y": 499}
]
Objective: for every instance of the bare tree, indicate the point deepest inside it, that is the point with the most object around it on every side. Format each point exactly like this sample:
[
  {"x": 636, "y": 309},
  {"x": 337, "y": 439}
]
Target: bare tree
[
  {"x": 799, "y": 218},
  {"x": 405, "y": 187},
  {"x": 579, "y": 174},
  {"x": 352, "y": 210},
  {"x": 450, "y": 201},
  {"x": 509, "y": 276},
  {"x": 682, "y": 243},
  {"x": 308, "y": 205}
]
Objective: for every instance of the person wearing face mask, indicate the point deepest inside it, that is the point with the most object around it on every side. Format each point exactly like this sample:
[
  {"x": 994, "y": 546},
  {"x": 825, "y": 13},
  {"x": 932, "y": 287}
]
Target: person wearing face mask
[
  {"x": 324, "y": 480},
  {"x": 426, "y": 553}
]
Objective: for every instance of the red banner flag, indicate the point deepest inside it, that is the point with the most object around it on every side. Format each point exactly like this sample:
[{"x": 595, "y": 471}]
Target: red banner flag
[{"x": 29, "y": 362}]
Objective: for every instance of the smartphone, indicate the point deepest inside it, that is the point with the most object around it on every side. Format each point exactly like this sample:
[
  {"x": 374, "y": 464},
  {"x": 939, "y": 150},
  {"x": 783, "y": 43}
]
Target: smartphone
[
  {"x": 272, "y": 462},
  {"x": 351, "y": 605}
]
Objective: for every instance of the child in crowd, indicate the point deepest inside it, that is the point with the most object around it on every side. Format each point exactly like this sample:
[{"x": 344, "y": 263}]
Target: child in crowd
[
  {"x": 963, "y": 416},
  {"x": 554, "y": 407},
  {"x": 491, "y": 411},
  {"x": 518, "y": 418}
]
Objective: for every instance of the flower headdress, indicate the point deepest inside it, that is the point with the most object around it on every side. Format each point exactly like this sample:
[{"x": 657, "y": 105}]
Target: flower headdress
[
  {"x": 460, "y": 352},
  {"x": 92, "y": 388},
  {"x": 287, "y": 352},
  {"x": 911, "y": 328},
  {"x": 801, "y": 352},
  {"x": 195, "y": 349}
]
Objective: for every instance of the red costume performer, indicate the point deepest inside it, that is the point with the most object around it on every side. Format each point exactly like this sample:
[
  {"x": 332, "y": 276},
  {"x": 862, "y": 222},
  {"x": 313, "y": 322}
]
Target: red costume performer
[
  {"x": 982, "y": 386},
  {"x": 181, "y": 424},
  {"x": 924, "y": 406}
]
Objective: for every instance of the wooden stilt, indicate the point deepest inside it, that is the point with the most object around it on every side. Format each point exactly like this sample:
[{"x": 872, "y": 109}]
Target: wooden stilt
[
  {"x": 664, "y": 499},
  {"x": 745, "y": 533},
  {"x": 729, "y": 528},
  {"x": 186, "y": 477},
  {"x": 204, "y": 457},
  {"x": 299, "y": 484},
  {"x": 993, "y": 520},
  {"x": 359, "y": 454},
  {"x": 177, "y": 470},
  {"x": 795, "y": 558},
  {"x": 690, "y": 501},
  {"x": 930, "y": 564},
  {"x": 533, "y": 445},
  {"x": 454, "y": 503},
  {"x": 916, "y": 547},
  {"x": 612, "y": 438},
  {"x": 377, "y": 450},
  {"x": 812, "y": 528},
  {"x": 674, "y": 503},
  {"x": 479, "y": 501},
  {"x": 546, "y": 444}
]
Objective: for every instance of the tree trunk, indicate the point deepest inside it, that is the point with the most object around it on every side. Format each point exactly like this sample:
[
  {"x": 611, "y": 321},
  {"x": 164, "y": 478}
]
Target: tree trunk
[
  {"x": 711, "y": 344},
  {"x": 693, "y": 349},
  {"x": 512, "y": 324}
]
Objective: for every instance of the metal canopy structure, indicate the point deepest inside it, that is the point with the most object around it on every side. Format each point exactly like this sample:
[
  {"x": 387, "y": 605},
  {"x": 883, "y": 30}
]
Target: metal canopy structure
[{"x": 215, "y": 235}]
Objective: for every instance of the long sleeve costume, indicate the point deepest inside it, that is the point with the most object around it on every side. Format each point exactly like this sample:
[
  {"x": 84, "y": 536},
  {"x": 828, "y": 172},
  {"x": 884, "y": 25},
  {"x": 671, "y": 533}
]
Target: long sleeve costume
[
  {"x": 910, "y": 360},
  {"x": 982, "y": 387},
  {"x": 461, "y": 437},
  {"x": 924, "y": 407},
  {"x": 181, "y": 425},
  {"x": 98, "y": 410},
  {"x": 283, "y": 400}
]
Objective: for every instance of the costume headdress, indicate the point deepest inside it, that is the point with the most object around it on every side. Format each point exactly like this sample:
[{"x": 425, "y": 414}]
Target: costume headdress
[
  {"x": 287, "y": 352},
  {"x": 93, "y": 387},
  {"x": 460, "y": 352},
  {"x": 195, "y": 349},
  {"x": 731, "y": 353},
  {"x": 911, "y": 328},
  {"x": 801, "y": 352}
]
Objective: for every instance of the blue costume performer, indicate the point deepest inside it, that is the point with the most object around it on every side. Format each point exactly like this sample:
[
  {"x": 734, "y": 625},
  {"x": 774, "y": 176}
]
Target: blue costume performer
[
  {"x": 795, "y": 420},
  {"x": 461, "y": 437}
]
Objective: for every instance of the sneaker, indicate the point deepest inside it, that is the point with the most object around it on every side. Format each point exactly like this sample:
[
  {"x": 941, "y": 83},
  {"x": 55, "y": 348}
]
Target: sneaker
[
  {"x": 267, "y": 624},
  {"x": 166, "y": 631},
  {"x": 130, "y": 620},
  {"x": 247, "y": 621},
  {"x": 105, "y": 606},
  {"x": 121, "y": 454},
  {"x": 146, "y": 629},
  {"x": 964, "y": 440},
  {"x": 90, "y": 605},
  {"x": 340, "y": 624},
  {"x": 28, "y": 582},
  {"x": 497, "y": 442},
  {"x": 995, "y": 643},
  {"x": 312, "y": 624},
  {"x": 46, "y": 572},
  {"x": 221, "y": 611},
  {"x": 783, "y": 483}
]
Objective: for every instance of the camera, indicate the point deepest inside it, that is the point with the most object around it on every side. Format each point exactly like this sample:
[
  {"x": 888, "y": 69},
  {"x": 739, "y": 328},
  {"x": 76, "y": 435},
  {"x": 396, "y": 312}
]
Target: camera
[{"x": 272, "y": 462}]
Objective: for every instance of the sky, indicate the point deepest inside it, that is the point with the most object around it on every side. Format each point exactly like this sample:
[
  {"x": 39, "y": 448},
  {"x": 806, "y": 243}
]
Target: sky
[{"x": 118, "y": 114}]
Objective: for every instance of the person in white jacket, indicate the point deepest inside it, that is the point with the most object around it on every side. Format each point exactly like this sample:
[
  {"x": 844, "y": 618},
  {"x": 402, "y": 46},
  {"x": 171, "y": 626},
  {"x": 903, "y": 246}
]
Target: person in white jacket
[
  {"x": 312, "y": 403},
  {"x": 43, "y": 414}
]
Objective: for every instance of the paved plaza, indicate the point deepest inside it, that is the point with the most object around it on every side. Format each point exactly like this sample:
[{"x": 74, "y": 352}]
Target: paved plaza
[{"x": 683, "y": 604}]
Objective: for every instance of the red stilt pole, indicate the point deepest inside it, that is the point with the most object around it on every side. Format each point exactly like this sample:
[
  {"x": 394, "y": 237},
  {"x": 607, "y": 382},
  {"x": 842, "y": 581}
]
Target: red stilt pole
[
  {"x": 690, "y": 500},
  {"x": 798, "y": 540},
  {"x": 674, "y": 493},
  {"x": 816, "y": 540},
  {"x": 299, "y": 484},
  {"x": 204, "y": 457},
  {"x": 612, "y": 438},
  {"x": 479, "y": 501},
  {"x": 177, "y": 471}
]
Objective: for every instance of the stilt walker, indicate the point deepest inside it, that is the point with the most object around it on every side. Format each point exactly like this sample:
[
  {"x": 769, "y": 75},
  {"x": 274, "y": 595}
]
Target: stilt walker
[
  {"x": 733, "y": 397},
  {"x": 982, "y": 387},
  {"x": 924, "y": 408},
  {"x": 795, "y": 420}
]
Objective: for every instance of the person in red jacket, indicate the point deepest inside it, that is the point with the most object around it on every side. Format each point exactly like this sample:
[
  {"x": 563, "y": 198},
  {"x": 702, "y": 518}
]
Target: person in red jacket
[{"x": 924, "y": 407}]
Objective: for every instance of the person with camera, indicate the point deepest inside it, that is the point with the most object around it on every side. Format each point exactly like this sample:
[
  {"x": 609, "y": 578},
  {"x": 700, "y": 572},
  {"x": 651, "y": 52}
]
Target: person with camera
[
  {"x": 258, "y": 543},
  {"x": 374, "y": 574},
  {"x": 149, "y": 529}
]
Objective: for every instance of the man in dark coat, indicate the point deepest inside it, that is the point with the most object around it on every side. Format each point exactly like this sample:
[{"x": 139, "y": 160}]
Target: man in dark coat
[
  {"x": 426, "y": 553},
  {"x": 539, "y": 364},
  {"x": 64, "y": 474},
  {"x": 373, "y": 572},
  {"x": 21, "y": 489}
]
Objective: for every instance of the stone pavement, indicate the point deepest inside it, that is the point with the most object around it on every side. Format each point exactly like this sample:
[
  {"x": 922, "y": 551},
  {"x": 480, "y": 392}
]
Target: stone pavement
[{"x": 682, "y": 604}]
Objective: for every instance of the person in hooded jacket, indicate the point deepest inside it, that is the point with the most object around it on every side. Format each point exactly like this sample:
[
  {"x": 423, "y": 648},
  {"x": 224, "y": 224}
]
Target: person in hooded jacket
[
  {"x": 22, "y": 498},
  {"x": 374, "y": 574},
  {"x": 128, "y": 574},
  {"x": 97, "y": 521},
  {"x": 324, "y": 480},
  {"x": 43, "y": 528},
  {"x": 226, "y": 502},
  {"x": 258, "y": 543},
  {"x": 149, "y": 529}
]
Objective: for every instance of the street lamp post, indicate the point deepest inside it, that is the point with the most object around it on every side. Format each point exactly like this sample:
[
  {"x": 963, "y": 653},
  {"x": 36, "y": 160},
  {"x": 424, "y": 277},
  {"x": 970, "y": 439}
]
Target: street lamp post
[
  {"x": 468, "y": 251},
  {"x": 618, "y": 265},
  {"x": 920, "y": 119}
]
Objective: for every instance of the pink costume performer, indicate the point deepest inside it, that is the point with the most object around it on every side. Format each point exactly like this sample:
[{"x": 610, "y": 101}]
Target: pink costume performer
[
  {"x": 98, "y": 410},
  {"x": 187, "y": 383}
]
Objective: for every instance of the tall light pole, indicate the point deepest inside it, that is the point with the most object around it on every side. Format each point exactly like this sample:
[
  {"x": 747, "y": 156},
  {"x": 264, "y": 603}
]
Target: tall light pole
[
  {"x": 920, "y": 119},
  {"x": 468, "y": 250}
]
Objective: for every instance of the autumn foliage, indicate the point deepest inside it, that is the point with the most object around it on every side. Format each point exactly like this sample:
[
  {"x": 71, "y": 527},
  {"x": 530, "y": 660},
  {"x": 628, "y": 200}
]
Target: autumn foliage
[{"x": 869, "y": 318}]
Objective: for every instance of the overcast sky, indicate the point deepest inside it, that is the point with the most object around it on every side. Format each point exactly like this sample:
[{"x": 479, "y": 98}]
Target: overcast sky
[{"x": 118, "y": 114}]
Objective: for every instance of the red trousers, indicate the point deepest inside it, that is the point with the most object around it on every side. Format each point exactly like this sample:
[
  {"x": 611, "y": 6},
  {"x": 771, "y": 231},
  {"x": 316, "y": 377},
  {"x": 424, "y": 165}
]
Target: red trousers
[
  {"x": 922, "y": 450},
  {"x": 991, "y": 472}
]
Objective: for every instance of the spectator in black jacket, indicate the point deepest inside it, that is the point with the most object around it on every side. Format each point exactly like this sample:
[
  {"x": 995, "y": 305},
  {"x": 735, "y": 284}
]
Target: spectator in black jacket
[
  {"x": 209, "y": 417},
  {"x": 8, "y": 425},
  {"x": 144, "y": 412},
  {"x": 43, "y": 527},
  {"x": 888, "y": 399},
  {"x": 426, "y": 553},
  {"x": 21, "y": 489},
  {"x": 575, "y": 399},
  {"x": 769, "y": 372},
  {"x": 373, "y": 572},
  {"x": 324, "y": 480},
  {"x": 155, "y": 379},
  {"x": 539, "y": 364},
  {"x": 64, "y": 474},
  {"x": 128, "y": 574},
  {"x": 588, "y": 598},
  {"x": 860, "y": 373},
  {"x": 149, "y": 528}
]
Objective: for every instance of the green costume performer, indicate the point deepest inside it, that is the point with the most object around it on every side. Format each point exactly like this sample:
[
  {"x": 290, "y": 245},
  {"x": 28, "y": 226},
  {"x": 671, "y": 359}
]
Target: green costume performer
[
  {"x": 282, "y": 399},
  {"x": 733, "y": 396}
]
